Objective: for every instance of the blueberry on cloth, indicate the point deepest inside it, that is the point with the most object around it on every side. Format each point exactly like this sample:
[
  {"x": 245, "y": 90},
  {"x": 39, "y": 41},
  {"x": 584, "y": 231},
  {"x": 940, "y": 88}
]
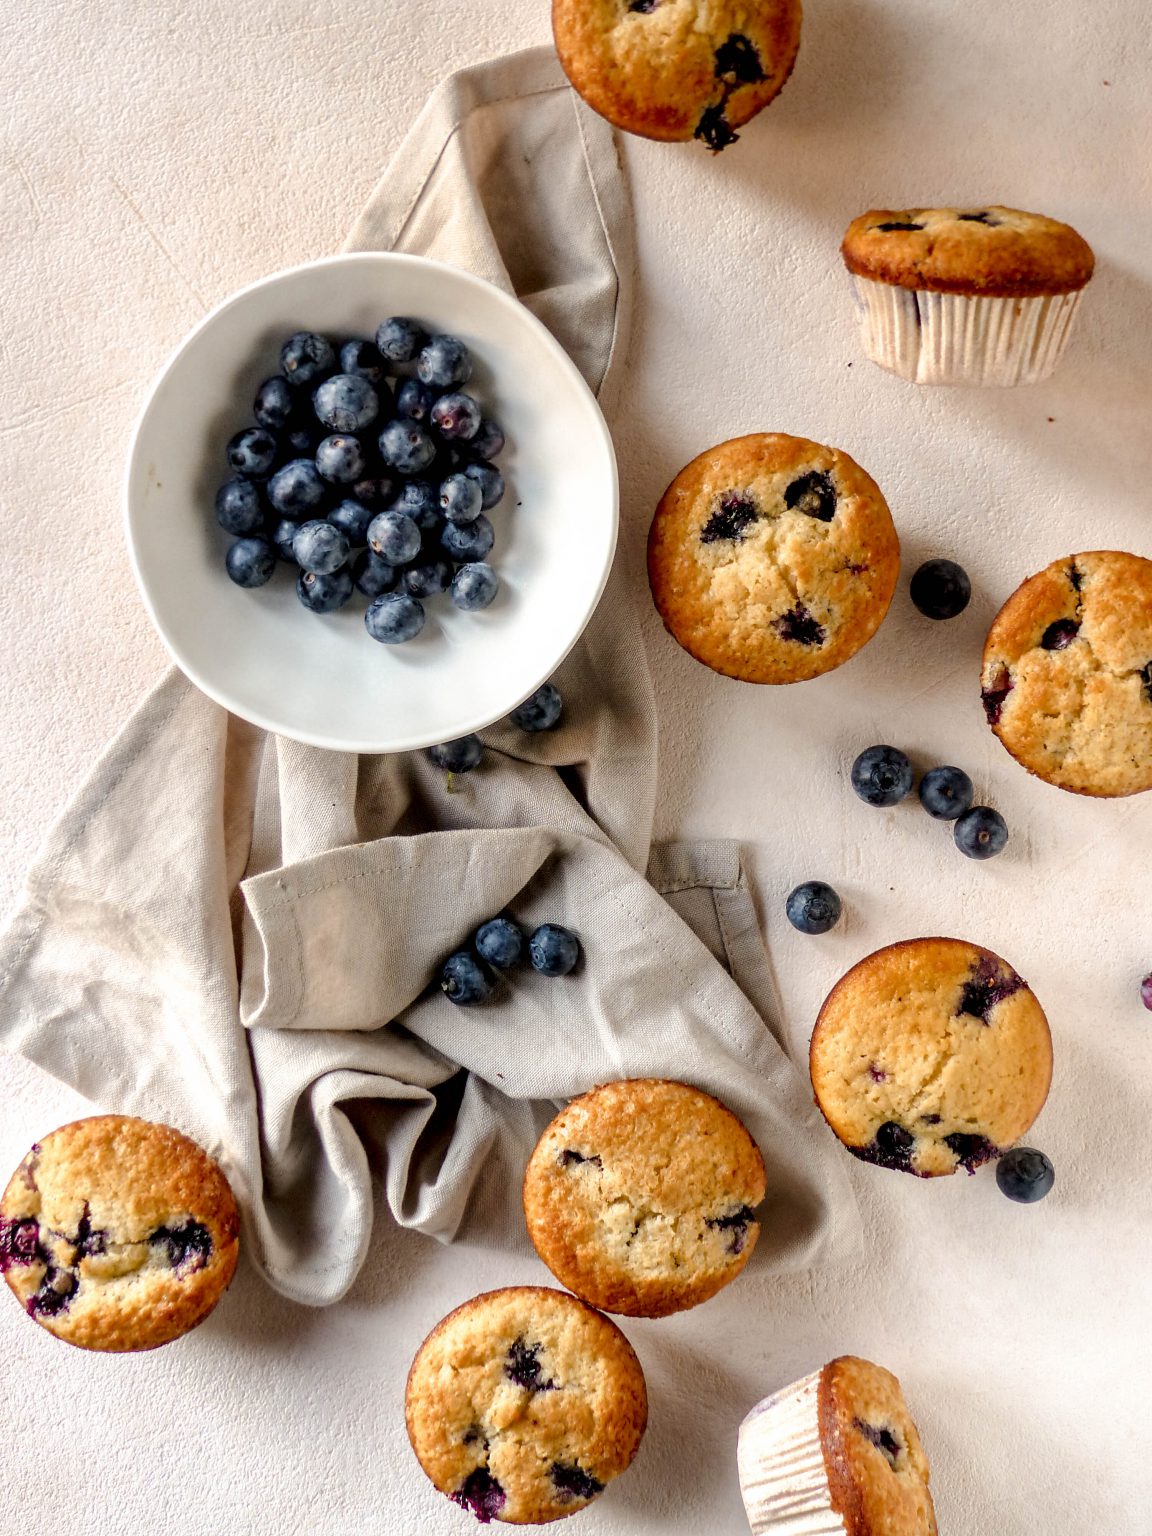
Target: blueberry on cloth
[
  {"x": 500, "y": 941},
  {"x": 540, "y": 711},
  {"x": 459, "y": 756},
  {"x": 553, "y": 950},
  {"x": 465, "y": 980}
]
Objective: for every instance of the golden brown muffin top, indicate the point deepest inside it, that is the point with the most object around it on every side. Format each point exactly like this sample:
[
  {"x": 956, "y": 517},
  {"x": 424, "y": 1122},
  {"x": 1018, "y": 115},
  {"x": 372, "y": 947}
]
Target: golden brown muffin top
[{"x": 876, "y": 1466}]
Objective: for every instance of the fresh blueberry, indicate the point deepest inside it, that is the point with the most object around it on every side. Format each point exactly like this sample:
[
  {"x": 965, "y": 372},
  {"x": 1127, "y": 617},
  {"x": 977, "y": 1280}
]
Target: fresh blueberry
[
  {"x": 553, "y": 950},
  {"x": 941, "y": 589},
  {"x": 252, "y": 453},
  {"x": 363, "y": 359},
  {"x": 464, "y": 980},
  {"x": 882, "y": 776},
  {"x": 405, "y": 446},
  {"x": 399, "y": 339},
  {"x": 459, "y": 756},
  {"x": 1025, "y": 1175},
  {"x": 239, "y": 508},
  {"x": 474, "y": 586},
  {"x": 946, "y": 793},
  {"x": 490, "y": 481},
  {"x": 419, "y": 500},
  {"x": 981, "y": 833},
  {"x": 275, "y": 404},
  {"x": 297, "y": 490},
  {"x": 429, "y": 578},
  {"x": 487, "y": 441},
  {"x": 500, "y": 942},
  {"x": 460, "y": 499},
  {"x": 372, "y": 575},
  {"x": 456, "y": 416},
  {"x": 444, "y": 361},
  {"x": 540, "y": 711},
  {"x": 813, "y": 907},
  {"x": 305, "y": 358},
  {"x": 467, "y": 542},
  {"x": 375, "y": 491},
  {"x": 393, "y": 618},
  {"x": 415, "y": 400},
  {"x": 250, "y": 562},
  {"x": 1146, "y": 992},
  {"x": 353, "y": 520},
  {"x": 346, "y": 403},
  {"x": 341, "y": 459},
  {"x": 324, "y": 593},
  {"x": 320, "y": 548},
  {"x": 394, "y": 537},
  {"x": 282, "y": 536}
]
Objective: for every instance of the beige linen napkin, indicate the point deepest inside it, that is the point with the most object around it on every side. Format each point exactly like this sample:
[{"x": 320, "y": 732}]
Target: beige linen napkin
[{"x": 235, "y": 933}]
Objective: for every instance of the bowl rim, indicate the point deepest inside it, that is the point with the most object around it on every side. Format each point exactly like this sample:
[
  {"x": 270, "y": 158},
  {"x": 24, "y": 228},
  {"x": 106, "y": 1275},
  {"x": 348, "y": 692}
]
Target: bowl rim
[{"x": 342, "y": 260}]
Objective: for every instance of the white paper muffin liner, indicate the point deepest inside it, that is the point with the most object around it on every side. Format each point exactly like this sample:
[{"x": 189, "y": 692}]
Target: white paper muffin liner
[
  {"x": 783, "y": 1477},
  {"x": 958, "y": 338}
]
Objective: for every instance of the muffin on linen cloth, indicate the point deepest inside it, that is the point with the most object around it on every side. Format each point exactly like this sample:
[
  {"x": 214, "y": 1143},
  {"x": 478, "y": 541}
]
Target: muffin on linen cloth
[
  {"x": 678, "y": 69},
  {"x": 836, "y": 1454},
  {"x": 984, "y": 295},
  {"x": 772, "y": 559},
  {"x": 1067, "y": 674},
  {"x": 118, "y": 1234},
  {"x": 931, "y": 1055},
  {"x": 523, "y": 1404}
]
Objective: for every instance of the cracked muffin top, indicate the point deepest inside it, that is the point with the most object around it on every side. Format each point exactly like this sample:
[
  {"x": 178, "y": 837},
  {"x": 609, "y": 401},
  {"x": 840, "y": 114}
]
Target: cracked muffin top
[
  {"x": 877, "y": 1469},
  {"x": 678, "y": 69},
  {"x": 641, "y": 1196},
  {"x": 523, "y": 1404},
  {"x": 931, "y": 1055},
  {"x": 772, "y": 559},
  {"x": 118, "y": 1234},
  {"x": 1067, "y": 674},
  {"x": 994, "y": 251}
]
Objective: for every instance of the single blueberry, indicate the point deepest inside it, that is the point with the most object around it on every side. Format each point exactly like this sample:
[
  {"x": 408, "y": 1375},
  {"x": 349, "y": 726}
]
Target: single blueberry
[
  {"x": 306, "y": 357},
  {"x": 540, "y": 711},
  {"x": 282, "y": 536},
  {"x": 324, "y": 593},
  {"x": 732, "y": 514},
  {"x": 1025, "y": 1175},
  {"x": 465, "y": 980},
  {"x": 362, "y": 359},
  {"x": 353, "y": 519},
  {"x": 374, "y": 492},
  {"x": 405, "y": 446},
  {"x": 490, "y": 481},
  {"x": 714, "y": 129},
  {"x": 275, "y": 405},
  {"x": 239, "y": 508},
  {"x": 346, "y": 403},
  {"x": 500, "y": 942},
  {"x": 419, "y": 500},
  {"x": 444, "y": 361},
  {"x": 572, "y": 1482},
  {"x": 459, "y": 756},
  {"x": 814, "y": 494},
  {"x": 250, "y": 562},
  {"x": 475, "y": 586},
  {"x": 1060, "y": 635},
  {"x": 882, "y": 776},
  {"x": 415, "y": 400},
  {"x": 341, "y": 459},
  {"x": 297, "y": 490},
  {"x": 394, "y": 618},
  {"x": 481, "y": 1495},
  {"x": 372, "y": 575},
  {"x": 487, "y": 441},
  {"x": 467, "y": 542},
  {"x": 186, "y": 1248},
  {"x": 394, "y": 537},
  {"x": 553, "y": 950},
  {"x": 460, "y": 499},
  {"x": 252, "y": 453},
  {"x": 801, "y": 626},
  {"x": 813, "y": 907},
  {"x": 429, "y": 578},
  {"x": 456, "y": 416},
  {"x": 981, "y": 833},
  {"x": 320, "y": 548},
  {"x": 946, "y": 793},
  {"x": 940, "y": 589},
  {"x": 399, "y": 339}
]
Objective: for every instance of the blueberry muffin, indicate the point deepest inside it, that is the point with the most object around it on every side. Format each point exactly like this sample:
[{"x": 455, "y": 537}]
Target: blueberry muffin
[
  {"x": 929, "y": 1056},
  {"x": 641, "y": 1197},
  {"x": 772, "y": 559},
  {"x": 836, "y": 1454},
  {"x": 966, "y": 295},
  {"x": 523, "y": 1404},
  {"x": 1067, "y": 674},
  {"x": 678, "y": 69},
  {"x": 118, "y": 1234}
]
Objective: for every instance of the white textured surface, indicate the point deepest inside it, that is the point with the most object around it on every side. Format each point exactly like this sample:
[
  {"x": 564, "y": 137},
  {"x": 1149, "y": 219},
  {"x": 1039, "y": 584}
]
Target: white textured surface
[{"x": 152, "y": 159}]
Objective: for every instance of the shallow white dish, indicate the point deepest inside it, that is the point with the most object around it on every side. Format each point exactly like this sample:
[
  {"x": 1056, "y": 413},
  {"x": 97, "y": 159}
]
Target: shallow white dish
[{"x": 322, "y": 679}]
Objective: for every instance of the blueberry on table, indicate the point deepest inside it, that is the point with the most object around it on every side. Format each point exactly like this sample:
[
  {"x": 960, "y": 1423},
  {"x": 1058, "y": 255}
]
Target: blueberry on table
[
  {"x": 490, "y": 481},
  {"x": 305, "y": 358},
  {"x": 399, "y": 339},
  {"x": 464, "y": 980},
  {"x": 553, "y": 950},
  {"x": 459, "y": 756},
  {"x": 467, "y": 542},
  {"x": 239, "y": 508},
  {"x": 444, "y": 361},
  {"x": 324, "y": 592},
  {"x": 813, "y": 907},
  {"x": 353, "y": 520},
  {"x": 282, "y": 536},
  {"x": 405, "y": 446},
  {"x": 460, "y": 499},
  {"x": 882, "y": 776},
  {"x": 394, "y": 537},
  {"x": 487, "y": 441},
  {"x": 346, "y": 403},
  {"x": 474, "y": 586},
  {"x": 981, "y": 833},
  {"x": 540, "y": 711},
  {"x": 941, "y": 589},
  {"x": 275, "y": 405},
  {"x": 363, "y": 359},
  {"x": 340, "y": 458},
  {"x": 394, "y": 618},
  {"x": 371, "y": 575},
  {"x": 320, "y": 548},
  {"x": 456, "y": 416},
  {"x": 500, "y": 941},
  {"x": 419, "y": 500},
  {"x": 250, "y": 562},
  {"x": 428, "y": 579},
  {"x": 1025, "y": 1175},
  {"x": 1146, "y": 992},
  {"x": 946, "y": 793},
  {"x": 297, "y": 490},
  {"x": 415, "y": 400},
  {"x": 252, "y": 453}
]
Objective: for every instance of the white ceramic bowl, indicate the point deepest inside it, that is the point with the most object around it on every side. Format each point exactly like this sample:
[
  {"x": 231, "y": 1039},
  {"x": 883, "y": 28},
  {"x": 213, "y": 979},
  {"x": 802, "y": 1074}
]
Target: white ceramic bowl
[{"x": 322, "y": 679}]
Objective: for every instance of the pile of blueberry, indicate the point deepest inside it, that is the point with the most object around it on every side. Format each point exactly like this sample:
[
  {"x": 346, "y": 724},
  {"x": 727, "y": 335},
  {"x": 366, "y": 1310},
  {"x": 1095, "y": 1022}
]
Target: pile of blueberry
[
  {"x": 469, "y": 976},
  {"x": 368, "y": 470}
]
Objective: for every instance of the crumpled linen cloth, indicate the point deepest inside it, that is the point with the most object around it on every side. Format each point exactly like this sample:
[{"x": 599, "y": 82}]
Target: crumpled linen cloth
[{"x": 235, "y": 933}]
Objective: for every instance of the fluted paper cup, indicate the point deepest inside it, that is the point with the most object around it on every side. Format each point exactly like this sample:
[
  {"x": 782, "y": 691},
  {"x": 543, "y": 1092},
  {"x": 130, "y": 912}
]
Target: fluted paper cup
[{"x": 783, "y": 1476}]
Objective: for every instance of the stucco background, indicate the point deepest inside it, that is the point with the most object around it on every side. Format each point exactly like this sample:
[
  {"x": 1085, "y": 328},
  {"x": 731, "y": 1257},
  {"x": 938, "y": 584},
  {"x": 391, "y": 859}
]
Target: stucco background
[{"x": 153, "y": 158}]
